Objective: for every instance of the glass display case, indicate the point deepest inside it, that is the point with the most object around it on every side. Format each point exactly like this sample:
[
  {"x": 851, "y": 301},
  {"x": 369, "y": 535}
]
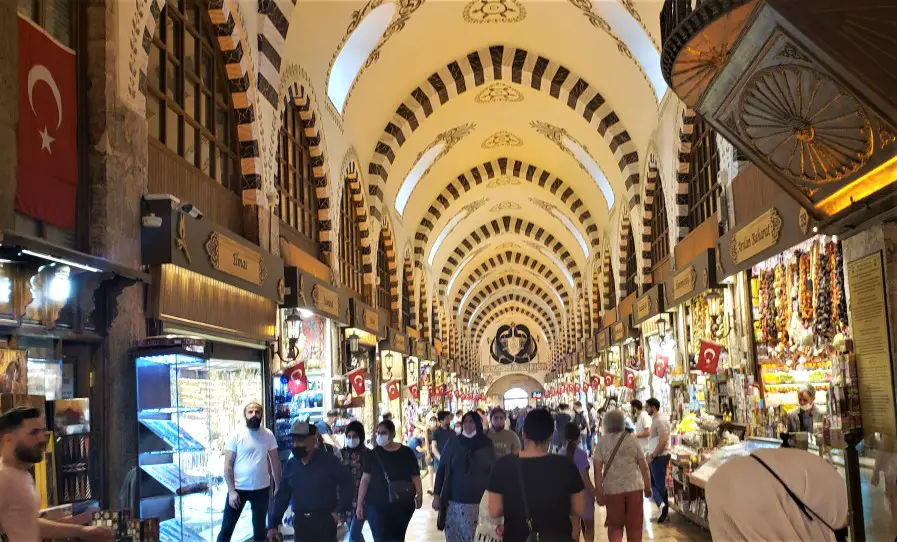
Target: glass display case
[{"x": 173, "y": 439}]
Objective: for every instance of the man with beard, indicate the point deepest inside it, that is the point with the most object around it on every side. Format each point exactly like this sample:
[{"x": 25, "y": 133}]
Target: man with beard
[
  {"x": 250, "y": 460},
  {"x": 505, "y": 442},
  {"x": 22, "y": 444}
]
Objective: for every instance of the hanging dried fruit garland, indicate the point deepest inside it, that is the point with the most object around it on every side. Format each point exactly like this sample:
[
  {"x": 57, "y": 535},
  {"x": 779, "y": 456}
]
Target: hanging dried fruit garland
[
  {"x": 823, "y": 326},
  {"x": 839, "y": 297},
  {"x": 783, "y": 303},
  {"x": 805, "y": 290},
  {"x": 768, "y": 307}
]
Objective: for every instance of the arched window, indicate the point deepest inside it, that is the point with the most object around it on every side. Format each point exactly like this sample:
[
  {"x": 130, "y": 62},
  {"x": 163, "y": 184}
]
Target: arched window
[
  {"x": 384, "y": 297},
  {"x": 703, "y": 181},
  {"x": 630, "y": 284},
  {"x": 297, "y": 204},
  {"x": 351, "y": 273},
  {"x": 407, "y": 301},
  {"x": 188, "y": 104},
  {"x": 611, "y": 288},
  {"x": 660, "y": 228}
]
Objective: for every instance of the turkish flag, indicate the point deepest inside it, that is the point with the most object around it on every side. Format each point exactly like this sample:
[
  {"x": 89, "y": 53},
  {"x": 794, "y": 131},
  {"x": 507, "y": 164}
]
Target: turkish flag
[
  {"x": 46, "y": 135},
  {"x": 577, "y": 387},
  {"x": 392, "y": 390},
  {"x": 441, "y": 390},
  {"x": 630, "y": 379},
  {"x": 356, "y": 378},
  {"x": 708, "y": 357},
  {"x": 457, "y": 394},
  {"x": 431, "y": 390},
  {"x": 660, "y": 367},
  {"x": 297, "y": 380},
  {"x": 596, "y": 381},
  {"x": 415, "y": 391},
  {"x": 609, "y": 379}
]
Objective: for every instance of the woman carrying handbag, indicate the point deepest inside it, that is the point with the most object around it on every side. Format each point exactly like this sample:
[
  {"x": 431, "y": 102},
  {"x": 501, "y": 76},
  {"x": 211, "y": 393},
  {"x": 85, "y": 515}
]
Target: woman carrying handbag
[{"x": 622, "y": 480}]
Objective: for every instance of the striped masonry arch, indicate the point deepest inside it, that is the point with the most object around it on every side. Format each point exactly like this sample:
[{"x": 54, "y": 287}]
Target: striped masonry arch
[
  {"x": 510, "y": 64},
  {"x": 625, "y": 232},
  {"x": 491, "y": 174},
  {"x": 516, "y": 302},
  {"x": 608, "y": 275},
  {"x": 496, "y": 313},
  {"x": 507, "y": 258},
  {"x": 652, "y": 180},
  {"x": 393, "y": 287},
  {"x": 353, "y": 185},
  {"x": 274, "y": 22},
  {"x": 596, "y": 299},
  {"x": 513, "y": 282},
  {"x": 686, "y": 132}
]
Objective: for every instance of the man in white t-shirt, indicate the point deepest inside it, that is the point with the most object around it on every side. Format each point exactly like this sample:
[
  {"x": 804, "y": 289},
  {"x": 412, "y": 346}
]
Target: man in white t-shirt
[
  {"x": 642, "y": 425},
  {"x": 659, "y": 457},
  {"x": 250, "y": 461}
]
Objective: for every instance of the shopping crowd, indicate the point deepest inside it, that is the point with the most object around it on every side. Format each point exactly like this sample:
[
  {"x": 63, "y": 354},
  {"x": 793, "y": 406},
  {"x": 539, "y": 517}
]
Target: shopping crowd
[{"x": 528, "y": 474}]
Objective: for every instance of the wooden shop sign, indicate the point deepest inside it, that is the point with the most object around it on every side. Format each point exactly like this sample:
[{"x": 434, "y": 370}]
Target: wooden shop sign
[
  {"x": 231, "y": 257},
  {"x": 647, "y": 306},
  {"x": 603, "y": 340},
  {"x": 325, "y": 300},
  {"x": 761, "y": 234},
  {"x": 684, "y": 283},
  {"x": 619, "y": 332},
  {"x": 370, "y": 318}
]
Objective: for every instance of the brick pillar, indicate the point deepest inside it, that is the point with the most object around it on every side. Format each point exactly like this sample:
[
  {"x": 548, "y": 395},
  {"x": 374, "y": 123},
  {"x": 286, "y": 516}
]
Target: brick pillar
[
  {"x": 9, "y": 112},
  {"x": 117, "y": 177}
]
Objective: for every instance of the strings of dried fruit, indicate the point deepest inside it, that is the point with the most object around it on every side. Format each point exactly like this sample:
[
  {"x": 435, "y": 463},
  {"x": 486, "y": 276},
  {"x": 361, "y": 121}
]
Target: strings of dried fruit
[
  {"x": 782, "y": 301},
  {"x": 806, "y": 290},
  {"x": 763, "y": 303},
  {"x": 841, "y": 308},
  {"x": 823, "y": 326},
  {"x": 769, "y": 309}
]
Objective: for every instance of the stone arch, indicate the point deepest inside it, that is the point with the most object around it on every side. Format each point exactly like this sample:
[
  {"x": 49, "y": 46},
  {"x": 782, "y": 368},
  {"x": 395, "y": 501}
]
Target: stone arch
[
  {"x": 509, "y": 281},
  {"x": 274, "y": 23},
  {"x": 511, "y": 64},
  {"x": 509, "y": 257},
  {"x": 653, "y": 182},
  {"x": 596, "y": 299},
  {"x": 386, "y": 236},
  {"x": 608, "y": 276},
  {"x": 297, "y": 90},
  {"x": 408, "y": 288},
  {"x": 353, "y": 184},
  {"x": 508, "y": 224},
  {"x": 492, "y": 173},
  {"x": 625, "y": 232},
  {"x": 509, "y": 305},
  {"x": 227, "y": 23},
  {"x": 514, "y": 380},
  {"x": 685, "y": 129}
]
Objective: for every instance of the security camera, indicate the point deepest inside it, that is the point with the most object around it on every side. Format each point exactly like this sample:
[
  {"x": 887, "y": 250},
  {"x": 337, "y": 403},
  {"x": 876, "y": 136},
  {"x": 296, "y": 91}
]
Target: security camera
[
  {"x": 152, "y": 221},
  {"x": 192, "y": 210}
]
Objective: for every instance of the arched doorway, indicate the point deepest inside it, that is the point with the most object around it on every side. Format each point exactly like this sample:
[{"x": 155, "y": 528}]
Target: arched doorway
[{"x": 515, "y": 397}]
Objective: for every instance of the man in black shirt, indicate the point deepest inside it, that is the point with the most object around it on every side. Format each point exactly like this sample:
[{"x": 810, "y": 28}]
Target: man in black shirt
[
  {"x": 561, "y": 419},
  {"x": 318, "y": 486},
  {"x": 536, "y": 488},
  {"x": 441, "y": 436}
]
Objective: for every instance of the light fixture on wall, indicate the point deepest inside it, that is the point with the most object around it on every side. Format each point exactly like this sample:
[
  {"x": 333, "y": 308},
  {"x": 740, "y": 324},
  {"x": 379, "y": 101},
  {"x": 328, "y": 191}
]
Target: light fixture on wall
[
  {"x": 719, "y": 318},
  {"x": 662, "y": 327},
  {"x": 293, "y": 324},
  {"x": 353, "y": 341}
]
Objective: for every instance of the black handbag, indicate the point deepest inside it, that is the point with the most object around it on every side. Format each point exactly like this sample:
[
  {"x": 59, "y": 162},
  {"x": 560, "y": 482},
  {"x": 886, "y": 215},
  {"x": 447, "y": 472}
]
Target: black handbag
[
  {"x": 400, "y": 491},
  {"x": 444, "y": 498},
  {"x": 533, "y": 536}
]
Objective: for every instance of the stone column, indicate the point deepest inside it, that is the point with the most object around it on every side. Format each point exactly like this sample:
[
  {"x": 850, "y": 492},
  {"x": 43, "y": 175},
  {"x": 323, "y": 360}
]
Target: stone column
[
  {"x": 117, "y": 178},
  {"x": 9, "y": 112}
]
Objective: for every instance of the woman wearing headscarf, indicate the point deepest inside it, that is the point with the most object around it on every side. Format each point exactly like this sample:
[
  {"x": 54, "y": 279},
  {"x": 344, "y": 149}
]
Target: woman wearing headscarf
[
  {"x": 793, "y": 495},
  {"x": 461, "y": 478}
]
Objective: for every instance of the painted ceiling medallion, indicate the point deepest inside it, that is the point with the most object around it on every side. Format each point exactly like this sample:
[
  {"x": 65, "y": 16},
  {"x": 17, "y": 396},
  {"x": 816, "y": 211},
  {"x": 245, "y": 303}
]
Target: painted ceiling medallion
[
  {"x": 504, "y": 180},
  {"x": 505, "y": 206},
  {"x": 543, "y": 204},
  {"x": 494, "y": 11},
  {"x": 498, "y": 92},
  {"x": 805, "y": 124},
  {"x": 474, "y": 205},
  {"x": 502, "y": 139},
  {"x": 557, "y": 135}
]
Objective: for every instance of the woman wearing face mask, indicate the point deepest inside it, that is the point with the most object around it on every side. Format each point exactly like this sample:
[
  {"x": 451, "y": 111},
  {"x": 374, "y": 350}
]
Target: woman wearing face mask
[
  {"x": 461, "y": 479},
  {"x": 353, "y": 457},
  {"x": 388, "y": 464},
  {"x": 458, "y": 428}
]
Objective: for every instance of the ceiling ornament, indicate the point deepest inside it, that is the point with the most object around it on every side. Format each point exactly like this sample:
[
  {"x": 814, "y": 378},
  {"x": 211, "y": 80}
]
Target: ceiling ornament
[
  {"x": 498, "y": 92},
  {"x": 542, "y": 204},
  {"x": 630, "y": 7},
  {"x": 449, "y": 138},
  {"x": 494, "y": 11},
  {"x": 505, "y": 206},
  {"x": 556, "y": 135},
  {"x": 404, "y": 10},
  {"x": 502, "y": 139},
  {"x": 513, "y": 344},
  {"x": 805, "y": 124},
  {"x": 588, "y": 11},
  {"x": 474, "y": 206},
  {"x": 504, "y": 180}
]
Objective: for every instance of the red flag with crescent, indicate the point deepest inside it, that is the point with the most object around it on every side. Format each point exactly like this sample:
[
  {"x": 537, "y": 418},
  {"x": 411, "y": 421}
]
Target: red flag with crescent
[
  {"x": 608, "y": 379},
  {"x": 660, "y": 366},
  {"x": 457, "y": 394},
  {"x": 46, "y": 134},
  {"x": 414, "y": 390},
  {"x": 595, "y": 381},
  {"x": 297, "y": 379},
  {"x": 630, "y": 379},
  {"x": 708, "y": 357},
  {"x": 441, "y": 390},
  {"x": 431, "y": 391},
  {"x": 577, "y": 387},
  {"x": 356, "y": 378},
  {"x": 392, "y": 390}
]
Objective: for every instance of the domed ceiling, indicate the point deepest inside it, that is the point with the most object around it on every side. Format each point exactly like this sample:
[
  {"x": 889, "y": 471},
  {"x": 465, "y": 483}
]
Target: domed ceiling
[{"x": 498, "y": 137}]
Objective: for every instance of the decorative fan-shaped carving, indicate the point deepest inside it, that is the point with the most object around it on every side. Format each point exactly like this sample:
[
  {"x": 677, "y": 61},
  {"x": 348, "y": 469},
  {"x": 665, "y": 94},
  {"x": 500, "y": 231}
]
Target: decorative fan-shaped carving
[{"x": 805, "y": 124}]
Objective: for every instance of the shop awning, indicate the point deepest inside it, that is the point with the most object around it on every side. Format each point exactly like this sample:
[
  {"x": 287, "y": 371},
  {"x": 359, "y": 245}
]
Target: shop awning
[
  {"x": 691, "y": 280},
  {"x": 303, "y": 290},
  {"x": 648, "y": 305}
]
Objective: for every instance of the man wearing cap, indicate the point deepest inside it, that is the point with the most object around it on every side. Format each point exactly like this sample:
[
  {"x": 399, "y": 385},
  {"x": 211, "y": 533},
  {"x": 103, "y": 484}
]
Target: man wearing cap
[{"x": 316, "y": 484}]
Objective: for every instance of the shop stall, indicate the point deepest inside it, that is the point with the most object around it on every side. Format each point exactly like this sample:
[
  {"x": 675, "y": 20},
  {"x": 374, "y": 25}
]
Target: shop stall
[
  {"x": 361, "y": 363},
  {"x": 395, "y": 376},
  {"x": 658, "y": 340},
  {"x": 632, "y": 373},
  {"x": 303, "y": 387},
  {"x": 210, "y": 284},
  {"x": 608, "y": 367}
]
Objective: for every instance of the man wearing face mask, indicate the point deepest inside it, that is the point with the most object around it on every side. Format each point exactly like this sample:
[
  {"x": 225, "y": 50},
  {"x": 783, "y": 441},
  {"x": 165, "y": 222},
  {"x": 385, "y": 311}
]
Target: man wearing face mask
[
  {"x": 22, "y": 443},
  {"x": 250, "y": 461},
  {"x": 803, "y": 417},
  {"x": 317, "y": 485}
]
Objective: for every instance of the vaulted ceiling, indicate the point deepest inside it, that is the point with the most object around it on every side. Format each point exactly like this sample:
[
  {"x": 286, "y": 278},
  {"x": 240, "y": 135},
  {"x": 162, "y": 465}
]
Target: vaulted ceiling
[{"x": 500, "y": 136}]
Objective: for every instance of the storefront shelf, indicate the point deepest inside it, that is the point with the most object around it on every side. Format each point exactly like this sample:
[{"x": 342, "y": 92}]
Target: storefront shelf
[
  {"x": 168, "y": 410},
  {"x": 176, "y": 480},
  {"x": 694, "y": 518},
  {"x": 172, "y": 530},
  {"x": 173, "y": 435}
]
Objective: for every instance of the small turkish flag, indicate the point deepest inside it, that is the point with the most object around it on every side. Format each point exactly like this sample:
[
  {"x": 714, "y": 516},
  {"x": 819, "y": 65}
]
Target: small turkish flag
[
  {"x": 441, "y": 390},
  {"x": 630, "y": 379},
  {"x": 431, "y": 390},
  {"x": 577, "y": 387},
  {"x": 708, "y": 357},
  {"x": 596, "y": 381},
  {"x": 457, "y": 394},
  {"x": 297, "y": 380},
  {"x": 46, "y": 135},
  {"x": 660, "y": 366},
  {"x": 356, "y": 378},
  {"x": 415, "y": 391},
  {"x": 609, "y": 379},
  {"x": 392, "y": 390}
]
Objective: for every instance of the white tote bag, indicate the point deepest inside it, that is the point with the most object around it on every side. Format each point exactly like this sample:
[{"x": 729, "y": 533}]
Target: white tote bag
[{"x": 489, "y": 529}]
